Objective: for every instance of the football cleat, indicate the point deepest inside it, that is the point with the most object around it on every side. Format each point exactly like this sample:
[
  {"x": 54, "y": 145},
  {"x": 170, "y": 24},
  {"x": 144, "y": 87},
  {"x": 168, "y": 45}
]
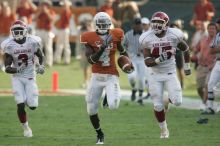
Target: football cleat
[
  {"x": 164, "y": 133},
  {"x": 104, "y": 102},
  {"x": 202, "y": 120},
  {"x": 28, "y": 132},
  {"x": 208, "y": 111},
  {"x": 100, "y": 139},
  {"x": 140, "y": 102}
]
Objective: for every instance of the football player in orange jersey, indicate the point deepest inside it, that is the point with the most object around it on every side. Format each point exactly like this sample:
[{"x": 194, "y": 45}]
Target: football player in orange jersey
[{"x": 101, "y": 46}]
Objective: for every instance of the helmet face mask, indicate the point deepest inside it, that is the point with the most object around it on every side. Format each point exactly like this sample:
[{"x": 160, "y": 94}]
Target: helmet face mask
[
  {"x": 159, "y": 22},
  {"x": 19, "y": 33},
  {"x": 19, "y": 30},
  {"x": 102, "y": 23}
]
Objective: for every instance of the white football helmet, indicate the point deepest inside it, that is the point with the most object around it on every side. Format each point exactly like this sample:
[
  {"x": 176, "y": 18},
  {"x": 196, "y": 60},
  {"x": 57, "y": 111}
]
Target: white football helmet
[
  {"x": 159, "y": 22},
  {"x": 102, "y": 23},
  {"x": 19, "y": 30}
]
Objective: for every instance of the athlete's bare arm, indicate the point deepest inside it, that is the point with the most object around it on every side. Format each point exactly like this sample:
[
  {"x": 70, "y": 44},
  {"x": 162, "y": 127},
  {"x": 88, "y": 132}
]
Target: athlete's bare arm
[
  {"x": 121, "y": 49},
  {"x": 185, "y": 48},
  {"x": 91, "y": 55},
  {"x": 40, "y": 56},
  {"x": 8, "y": 59},
  {"x": 149, "y": 61}
]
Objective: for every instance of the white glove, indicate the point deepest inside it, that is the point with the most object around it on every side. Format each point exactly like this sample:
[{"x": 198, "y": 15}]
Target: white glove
[
  {"x": 21, "y": 68},
  {"x": 163, "y": 56},
  {"x": 40, "y": 69}
]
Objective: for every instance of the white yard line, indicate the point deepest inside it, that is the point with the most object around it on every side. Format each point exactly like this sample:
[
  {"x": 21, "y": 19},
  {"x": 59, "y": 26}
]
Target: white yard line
[{"x": 188, "y": 103}]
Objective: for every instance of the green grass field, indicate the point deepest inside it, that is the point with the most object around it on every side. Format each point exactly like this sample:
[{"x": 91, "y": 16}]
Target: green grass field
[
  {"x": 71, "y": 77},
  {"x": 63, "y": 121}
]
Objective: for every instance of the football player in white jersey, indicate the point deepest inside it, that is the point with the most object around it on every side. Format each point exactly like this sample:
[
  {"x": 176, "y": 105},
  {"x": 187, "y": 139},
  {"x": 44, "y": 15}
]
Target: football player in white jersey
[
  {"x": 160, "y": 44},
  {"x": 19, "y": 52}
]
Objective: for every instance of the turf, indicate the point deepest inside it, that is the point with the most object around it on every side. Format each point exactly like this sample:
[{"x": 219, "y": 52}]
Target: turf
[{"x": 63, "y": 121}]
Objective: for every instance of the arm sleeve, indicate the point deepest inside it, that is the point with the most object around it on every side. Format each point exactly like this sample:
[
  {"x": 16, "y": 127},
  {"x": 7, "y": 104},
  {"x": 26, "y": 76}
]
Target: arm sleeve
[{"x": 5, "y": 48}]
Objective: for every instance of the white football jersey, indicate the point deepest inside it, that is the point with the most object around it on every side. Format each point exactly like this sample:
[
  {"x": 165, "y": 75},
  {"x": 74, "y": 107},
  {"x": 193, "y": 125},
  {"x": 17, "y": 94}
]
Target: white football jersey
[
  {"x": 169, "y": 42},
  {"x": 23, "y": 53}
]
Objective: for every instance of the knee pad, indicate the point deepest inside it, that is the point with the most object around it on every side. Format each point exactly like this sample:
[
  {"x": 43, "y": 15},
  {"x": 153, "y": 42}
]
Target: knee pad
[
  {"x": 176, "y": 102},
  {"x": 113, "y": 106},
  {"x": 20, "y": 108},
  {"x": 32, "y": 108},
  {"x": 158, "y": 107}
]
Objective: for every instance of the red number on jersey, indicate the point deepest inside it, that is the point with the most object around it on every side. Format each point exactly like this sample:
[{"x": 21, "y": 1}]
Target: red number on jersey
[
  {"x": 22, "y": 58},
  {"x": 156, "y": 51}
]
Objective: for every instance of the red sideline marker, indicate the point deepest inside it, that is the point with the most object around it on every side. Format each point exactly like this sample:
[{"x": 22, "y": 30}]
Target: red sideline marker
[{"x": 55, "y": 82}]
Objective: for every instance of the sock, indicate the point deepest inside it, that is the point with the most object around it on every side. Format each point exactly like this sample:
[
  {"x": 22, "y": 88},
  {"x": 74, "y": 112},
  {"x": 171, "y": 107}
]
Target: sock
[
  {"x": 210, "y": 100},
  {"x": 140, "y": 93},
  {"x": 95, "y": 123},
  {"x": 210, "y": 103},
  {"x": 25, "y": 125},
  {"x": 160, "y": 116},
  {"x": 163, "y": 125},
  {"x": 134, "y": 91},
  {"x": 21, "y": 113}
]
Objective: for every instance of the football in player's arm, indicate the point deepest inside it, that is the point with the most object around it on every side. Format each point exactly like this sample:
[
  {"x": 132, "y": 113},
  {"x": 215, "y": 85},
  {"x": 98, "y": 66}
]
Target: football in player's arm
[
  {"x": 101, "y": 46},
  {"x": 19, "y": 53},
  {"x": 93, "y": 56}
]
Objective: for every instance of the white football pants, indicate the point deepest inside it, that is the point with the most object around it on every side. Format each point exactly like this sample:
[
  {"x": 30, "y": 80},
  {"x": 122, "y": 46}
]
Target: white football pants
[
  {"x": 97, "y": 84},
  {"x": 161, "y": 81},
  {"x": 25, "y": 91}
]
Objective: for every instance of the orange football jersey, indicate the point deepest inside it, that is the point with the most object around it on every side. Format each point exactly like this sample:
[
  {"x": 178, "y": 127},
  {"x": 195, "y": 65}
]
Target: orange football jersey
[{"x": 106, "y": 63}]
